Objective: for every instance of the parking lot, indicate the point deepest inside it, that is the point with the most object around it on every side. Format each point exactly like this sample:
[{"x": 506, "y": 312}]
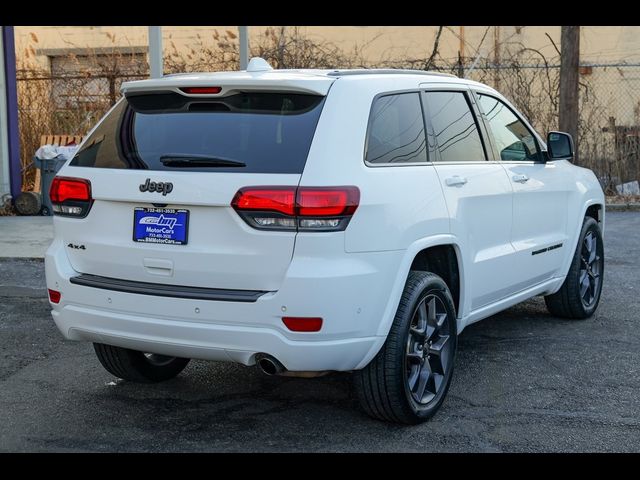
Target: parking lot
[{"x": 524, "y": 381}]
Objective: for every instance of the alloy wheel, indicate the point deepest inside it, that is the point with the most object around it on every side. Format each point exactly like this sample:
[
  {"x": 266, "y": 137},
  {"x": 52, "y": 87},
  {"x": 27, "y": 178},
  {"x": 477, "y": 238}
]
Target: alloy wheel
[
  {"x": 428, "y": 352},
  {"x": 590, "y": 270},
  {"x": 158, "y": 360}
]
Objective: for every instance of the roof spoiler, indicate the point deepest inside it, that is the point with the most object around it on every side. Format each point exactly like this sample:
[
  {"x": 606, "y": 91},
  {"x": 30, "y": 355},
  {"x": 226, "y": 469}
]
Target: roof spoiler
[{"x": 259, "y": 76}]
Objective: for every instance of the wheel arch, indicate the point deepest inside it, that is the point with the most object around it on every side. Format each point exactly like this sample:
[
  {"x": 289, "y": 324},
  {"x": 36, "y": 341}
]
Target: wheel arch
[
  {"x": 593, "y": 207},
  {"x": 595, "y": 210},
  {"x": 444, "y": 261},
  {"x": 413, "y": 252}
]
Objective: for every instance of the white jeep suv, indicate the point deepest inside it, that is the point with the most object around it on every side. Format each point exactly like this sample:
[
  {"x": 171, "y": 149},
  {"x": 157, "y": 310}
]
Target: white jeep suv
[{"x": 316, "y": 220}]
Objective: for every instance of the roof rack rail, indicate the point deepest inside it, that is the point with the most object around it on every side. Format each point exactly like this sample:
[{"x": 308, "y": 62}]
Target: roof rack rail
[{"x": 378, "y": 71}]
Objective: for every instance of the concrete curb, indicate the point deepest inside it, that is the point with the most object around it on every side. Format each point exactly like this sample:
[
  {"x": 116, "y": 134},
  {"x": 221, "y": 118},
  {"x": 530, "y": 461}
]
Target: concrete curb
[
  {"x": 622, "y": 207},
  {"x": 22, "y": 259}
]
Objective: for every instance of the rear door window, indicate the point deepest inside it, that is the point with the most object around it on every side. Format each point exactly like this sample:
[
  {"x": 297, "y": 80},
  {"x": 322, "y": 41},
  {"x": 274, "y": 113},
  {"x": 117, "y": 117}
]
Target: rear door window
[
  {"x": 455, "y": 127},
  {"x": 251, "y": 132},
  {"x": 396, "y": 130}
]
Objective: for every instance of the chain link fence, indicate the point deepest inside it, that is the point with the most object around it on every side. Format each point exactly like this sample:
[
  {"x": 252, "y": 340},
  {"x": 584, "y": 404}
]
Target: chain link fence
[
  {"x": 69, "y": 97},
  {"x": 609, "y": 128},
  {"x": 73, "y": 94}
]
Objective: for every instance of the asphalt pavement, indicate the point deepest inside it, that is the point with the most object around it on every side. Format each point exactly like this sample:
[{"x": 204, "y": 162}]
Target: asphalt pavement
[
  {"x": 25, "y": 237},
  {"x": 524, "y": 382}
]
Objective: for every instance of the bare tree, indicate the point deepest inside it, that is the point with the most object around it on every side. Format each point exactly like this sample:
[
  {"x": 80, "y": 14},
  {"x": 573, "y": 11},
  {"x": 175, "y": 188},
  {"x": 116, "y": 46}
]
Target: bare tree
[
  {"x": 69, "y": 101},
  {"x": 428, "y": 64}
]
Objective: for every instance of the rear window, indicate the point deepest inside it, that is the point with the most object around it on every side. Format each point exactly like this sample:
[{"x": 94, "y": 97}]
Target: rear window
[{"x": 247, "y": 132}]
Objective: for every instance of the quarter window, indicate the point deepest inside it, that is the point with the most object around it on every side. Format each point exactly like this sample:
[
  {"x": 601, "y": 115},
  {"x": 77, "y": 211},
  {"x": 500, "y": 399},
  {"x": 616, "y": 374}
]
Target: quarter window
[
  {"x": 510, "y": 135},
  {"x": 455, "y": 127},
  {"x": 396, "y": 130}
]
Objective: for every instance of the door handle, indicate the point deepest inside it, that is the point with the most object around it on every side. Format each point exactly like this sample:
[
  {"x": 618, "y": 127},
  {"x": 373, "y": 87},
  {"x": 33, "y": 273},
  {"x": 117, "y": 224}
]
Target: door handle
[
  {"x": 455, "y": 181},
  {"x": 520, "y": 178}
]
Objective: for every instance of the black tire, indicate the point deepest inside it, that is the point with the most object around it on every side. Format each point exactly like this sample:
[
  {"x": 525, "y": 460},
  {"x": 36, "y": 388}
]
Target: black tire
[
  {"x": 137, "y": 366},
  {"x": 28, "y": 203},
  {"x": 572, "y": 301},
  {"x": 383, "y": 386}
]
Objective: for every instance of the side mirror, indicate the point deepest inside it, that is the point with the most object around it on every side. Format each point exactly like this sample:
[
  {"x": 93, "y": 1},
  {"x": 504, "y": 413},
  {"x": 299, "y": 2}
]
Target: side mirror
[{"x": 560, "y": 146}]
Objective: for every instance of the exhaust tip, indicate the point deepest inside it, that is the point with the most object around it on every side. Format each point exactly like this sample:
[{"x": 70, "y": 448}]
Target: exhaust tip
[{"x": 269, "y": 365}]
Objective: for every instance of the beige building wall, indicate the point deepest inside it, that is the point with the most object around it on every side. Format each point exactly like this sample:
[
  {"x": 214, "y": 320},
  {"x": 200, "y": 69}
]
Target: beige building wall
[
  {"x": 605, "y": 44},
  {"x": 610, "y": 96},
  {"x": 614, "y": 92}
]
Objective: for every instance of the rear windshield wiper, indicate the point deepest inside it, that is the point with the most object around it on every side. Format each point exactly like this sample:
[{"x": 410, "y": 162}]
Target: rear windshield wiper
[{"x": 179, "y": 160}]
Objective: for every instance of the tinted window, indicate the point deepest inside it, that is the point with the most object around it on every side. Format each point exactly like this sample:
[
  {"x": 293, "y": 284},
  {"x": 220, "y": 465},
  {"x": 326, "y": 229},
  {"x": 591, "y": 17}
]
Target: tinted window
[
  {"x": 455, "y": 127},
  {"x": 510, "y": 135},
  {"x": 396, "y": 130},
  {"x": 257, "y": 132}
]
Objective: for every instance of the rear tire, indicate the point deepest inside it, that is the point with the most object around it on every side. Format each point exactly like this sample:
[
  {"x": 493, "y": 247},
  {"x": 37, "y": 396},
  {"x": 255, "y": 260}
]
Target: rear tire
[
  {"x": 579, "y": 296},
  {"x": 408, "y": 379},
  {"x": 137, "y": 366}
]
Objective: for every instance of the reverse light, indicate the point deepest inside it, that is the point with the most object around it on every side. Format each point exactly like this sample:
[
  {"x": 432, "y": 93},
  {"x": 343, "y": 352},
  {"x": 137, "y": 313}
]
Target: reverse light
[
  {"x": 201, "y": 90},
  {"x": 319, "y": 209},
  {"x": 303, "y": 324},
  {"x": 70, "y": 197},
  {"x": 318, "y": 223},
  {"x": 54, "y": 296},
  {"x": 269, "y": 222}
]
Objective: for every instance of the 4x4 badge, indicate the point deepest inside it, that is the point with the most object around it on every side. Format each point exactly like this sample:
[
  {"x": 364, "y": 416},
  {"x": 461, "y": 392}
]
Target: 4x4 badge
[{"x": 160, "y": 187}]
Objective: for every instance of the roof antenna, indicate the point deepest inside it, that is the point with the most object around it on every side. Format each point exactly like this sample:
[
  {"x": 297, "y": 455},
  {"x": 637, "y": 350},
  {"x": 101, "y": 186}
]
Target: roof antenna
[{"x": 257, "y": 64}]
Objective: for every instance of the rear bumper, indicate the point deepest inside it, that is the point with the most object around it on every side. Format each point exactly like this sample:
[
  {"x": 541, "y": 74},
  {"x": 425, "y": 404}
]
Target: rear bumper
[
  {"x": 169, "y": 336},
  {"x": 350, "y": 293}
]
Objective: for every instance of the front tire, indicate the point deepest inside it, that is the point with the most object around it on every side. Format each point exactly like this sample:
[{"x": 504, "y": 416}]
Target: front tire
[
  {"x": 408, "y": 379},
  {"x": 579, "y": 296},
  {"x": 138, "y": 366}
]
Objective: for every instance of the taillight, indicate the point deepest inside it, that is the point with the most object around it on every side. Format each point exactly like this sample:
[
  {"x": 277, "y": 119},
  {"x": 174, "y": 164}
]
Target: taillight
[
  {"x": 275, "y": 199},
  {"x": 326, "y": 208},
  {"x": 70, "y": 197},
  {"x": 317, "y": 209},
  {"x": 201, "y": 90}
]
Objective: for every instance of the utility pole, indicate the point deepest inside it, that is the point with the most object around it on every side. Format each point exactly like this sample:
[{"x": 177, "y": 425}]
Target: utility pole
[
  {"x": 244, "y": 47},
  {"x": 496, "y": 56},
  {"x": 155, "y": 51},
  {"x": 461, "y": 54},
  {"x": 569, "y": 77}
]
